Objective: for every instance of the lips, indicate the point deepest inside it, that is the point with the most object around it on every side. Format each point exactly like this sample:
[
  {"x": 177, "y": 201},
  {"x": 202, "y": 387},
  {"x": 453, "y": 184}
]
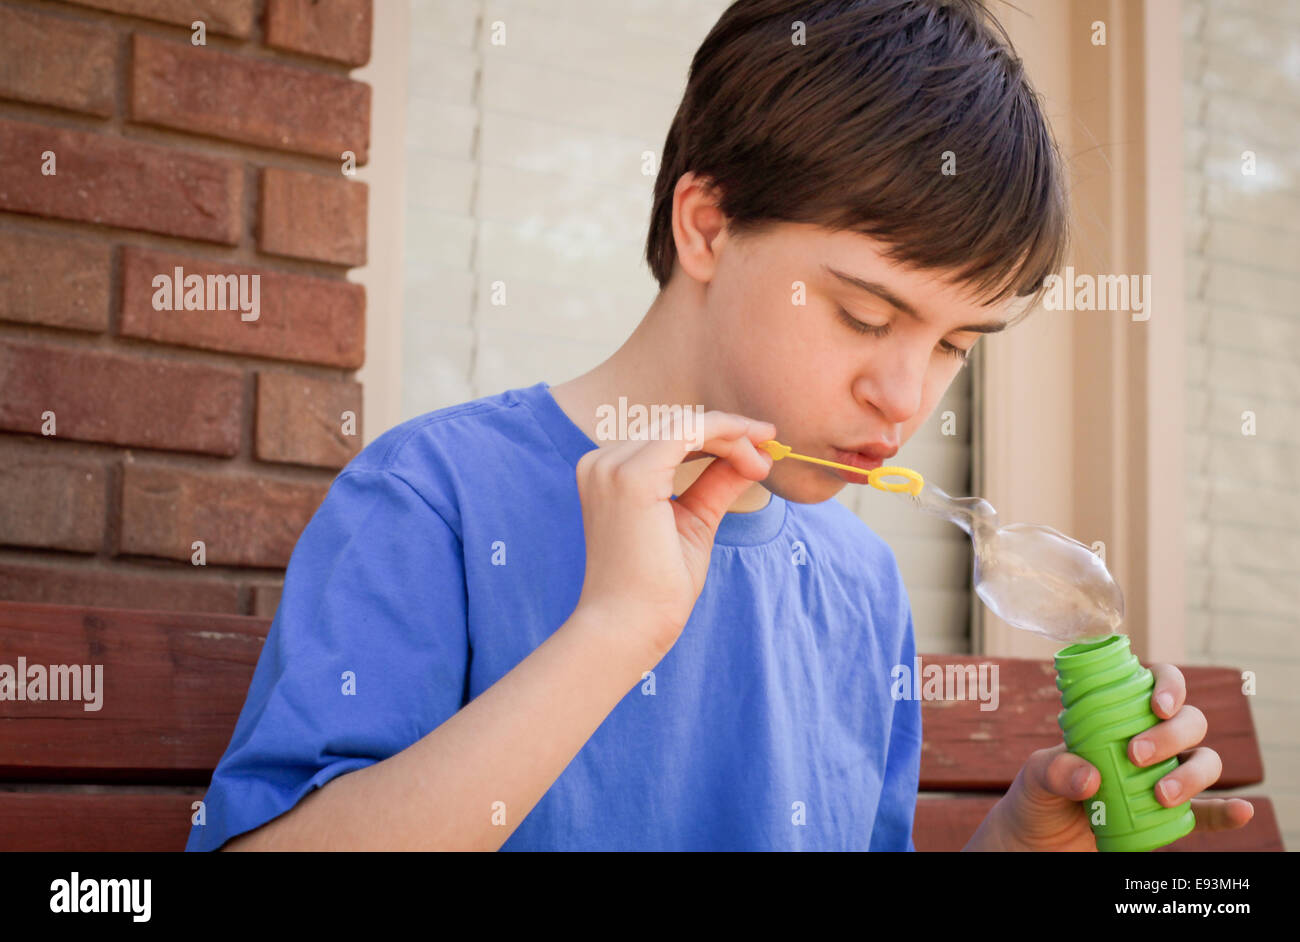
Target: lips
[
  {"x": 867, "y": 457},
  {"x": 872, "y": 451},
  {"x": 857, "y": 460}
]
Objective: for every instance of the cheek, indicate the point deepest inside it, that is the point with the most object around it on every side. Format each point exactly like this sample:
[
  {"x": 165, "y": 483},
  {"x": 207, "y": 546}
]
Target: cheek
[
  {"x": 749, "y": 311},
  {"x": 782, "y": 346}
]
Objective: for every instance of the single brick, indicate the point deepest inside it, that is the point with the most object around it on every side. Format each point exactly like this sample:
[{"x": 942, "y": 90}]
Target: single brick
[
  {"x": 266, "y": 599},
  {"x": 54, "y": 281},
  {"x": 248, "y": 100},
  {"x": 242, "y": 520},
  {"x": 52, "y": 61},
  {"x": 50, "y": 501},
  {"x": 300, "y": 420},
  {"x": 117, "y": 587},
  {"x": 338, "y": 30},
  {"x": 307, "y": 215},
  {"x": 123, "y": 400},
  {"x": 227, "y": 17},
  {"x": 312, "y": 320},
  {"x": 116, "y": 182}
]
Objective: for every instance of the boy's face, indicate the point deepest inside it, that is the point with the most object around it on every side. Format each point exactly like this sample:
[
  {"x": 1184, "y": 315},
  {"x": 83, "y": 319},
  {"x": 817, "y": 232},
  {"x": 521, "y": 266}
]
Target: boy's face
[{"x": 793, "y": 357}]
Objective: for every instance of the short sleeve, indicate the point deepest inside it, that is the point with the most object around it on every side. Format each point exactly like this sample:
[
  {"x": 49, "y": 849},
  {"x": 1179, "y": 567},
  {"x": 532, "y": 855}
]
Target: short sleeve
[
  {"x": 897, "y": 808},
  {"x": 367, "y": 653}
]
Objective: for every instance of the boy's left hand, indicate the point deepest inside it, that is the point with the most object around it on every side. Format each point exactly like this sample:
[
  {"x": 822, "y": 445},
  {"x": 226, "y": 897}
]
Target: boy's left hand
[{"x": 1046, "y": 808}]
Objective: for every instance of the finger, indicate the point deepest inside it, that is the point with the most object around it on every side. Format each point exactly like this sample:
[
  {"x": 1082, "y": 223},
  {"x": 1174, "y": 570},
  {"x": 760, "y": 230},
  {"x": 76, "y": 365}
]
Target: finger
[
  {"x": 1055, "y": 772},
  {"x": 715, "y": 490},
  {"x": 1191, "y": 778},
  {"x": 738, "y": 449},
  {"x": 657, "y": 457},
  {"x": 1168, "y": 738},
  {"x": 1170, "y": 690},
  {"x": 743, "y": 452},
  {"x": 759, "y": 432},
  {"x": 723, "y": 435},
  {"x": 1222, "y": 814},
  {"x": 675, "y": 429}
]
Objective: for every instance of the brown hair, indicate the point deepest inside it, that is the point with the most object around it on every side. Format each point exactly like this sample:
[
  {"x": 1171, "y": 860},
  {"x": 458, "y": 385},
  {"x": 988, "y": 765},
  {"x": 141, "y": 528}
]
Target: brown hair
[{"x": 849, "y": 132}]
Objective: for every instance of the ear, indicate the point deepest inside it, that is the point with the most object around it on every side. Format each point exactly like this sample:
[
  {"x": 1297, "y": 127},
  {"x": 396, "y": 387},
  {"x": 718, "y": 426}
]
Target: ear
[{"x": 699, "y": 227}]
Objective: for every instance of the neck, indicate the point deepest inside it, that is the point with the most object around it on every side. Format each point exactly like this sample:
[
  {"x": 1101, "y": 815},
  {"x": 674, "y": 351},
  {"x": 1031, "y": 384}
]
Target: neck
[{"x": 660, "y": 363}]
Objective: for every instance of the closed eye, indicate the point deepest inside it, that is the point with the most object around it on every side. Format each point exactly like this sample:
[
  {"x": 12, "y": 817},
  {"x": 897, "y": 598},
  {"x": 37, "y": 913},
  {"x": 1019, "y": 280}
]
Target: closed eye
[
  {"x": 882, "y": 330},
  {"x": 954, "y": 351},
  {"x": 860, "y": 326}
]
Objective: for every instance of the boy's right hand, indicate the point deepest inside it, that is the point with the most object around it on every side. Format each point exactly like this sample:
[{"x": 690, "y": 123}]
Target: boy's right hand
[{"x": 648, "y": 555}]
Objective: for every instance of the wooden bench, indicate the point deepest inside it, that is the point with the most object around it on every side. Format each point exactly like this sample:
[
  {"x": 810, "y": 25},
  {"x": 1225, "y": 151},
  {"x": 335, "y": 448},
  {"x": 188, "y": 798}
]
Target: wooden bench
[
  {"x": 125, "y": 777},
  {"x": 979, "y": 752}
]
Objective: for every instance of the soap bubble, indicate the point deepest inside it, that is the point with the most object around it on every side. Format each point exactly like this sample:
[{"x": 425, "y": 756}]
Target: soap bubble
[{"x": 1031, "y": 576}]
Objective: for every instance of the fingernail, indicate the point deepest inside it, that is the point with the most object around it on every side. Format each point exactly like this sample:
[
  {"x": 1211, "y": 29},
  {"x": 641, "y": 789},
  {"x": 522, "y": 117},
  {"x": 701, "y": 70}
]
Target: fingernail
[
  {"x": 1080, "y": 780},
  {"x": 1166, "y": 701},
  {"x": 1170, "y": 789},
  {"x": 1143, "y": 750}
]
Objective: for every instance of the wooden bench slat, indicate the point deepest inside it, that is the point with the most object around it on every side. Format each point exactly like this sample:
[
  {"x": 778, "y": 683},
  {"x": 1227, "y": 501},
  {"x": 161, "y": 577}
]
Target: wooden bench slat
[
  {"x": 965, "y": 748},
  {"x": 109, "y": 819},
  {"x": 174, "y": 684},
  {"x": 946, "y": 824},
  {"x": 124, "y": 820}
]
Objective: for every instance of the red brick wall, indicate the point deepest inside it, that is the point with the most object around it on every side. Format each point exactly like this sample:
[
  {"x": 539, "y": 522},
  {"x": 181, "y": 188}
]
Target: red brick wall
[{"x": 175, "y": 426}]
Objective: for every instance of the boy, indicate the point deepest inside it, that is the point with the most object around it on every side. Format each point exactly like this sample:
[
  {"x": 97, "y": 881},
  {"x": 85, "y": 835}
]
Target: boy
[{"x": 500, "y": 631}]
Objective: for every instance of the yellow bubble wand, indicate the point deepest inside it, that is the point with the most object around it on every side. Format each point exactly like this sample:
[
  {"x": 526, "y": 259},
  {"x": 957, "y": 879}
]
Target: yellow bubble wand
[{"x": 911, "y": 483}]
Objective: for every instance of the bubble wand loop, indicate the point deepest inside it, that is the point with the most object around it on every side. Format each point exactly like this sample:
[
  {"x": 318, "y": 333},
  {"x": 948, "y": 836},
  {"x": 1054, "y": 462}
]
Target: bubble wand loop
[{"x": 911, "y": 484}]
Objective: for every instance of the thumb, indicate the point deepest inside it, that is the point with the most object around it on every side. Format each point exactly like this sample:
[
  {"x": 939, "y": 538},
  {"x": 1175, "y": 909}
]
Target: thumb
[{"x": 715, "y": 490}]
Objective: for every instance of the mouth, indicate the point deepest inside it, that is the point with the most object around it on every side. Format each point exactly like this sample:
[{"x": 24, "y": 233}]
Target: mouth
[{"x": 867, "y": 460}]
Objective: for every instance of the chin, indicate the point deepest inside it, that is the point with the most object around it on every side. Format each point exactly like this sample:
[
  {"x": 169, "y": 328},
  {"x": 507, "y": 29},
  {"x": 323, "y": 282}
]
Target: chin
[{"x": 807, "y": 485}]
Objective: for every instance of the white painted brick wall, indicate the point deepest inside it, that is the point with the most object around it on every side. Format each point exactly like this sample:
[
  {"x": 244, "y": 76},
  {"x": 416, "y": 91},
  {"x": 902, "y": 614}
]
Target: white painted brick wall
[
  {"x": 525, "y": 167},
  {"x": 1242, "y": 88}
]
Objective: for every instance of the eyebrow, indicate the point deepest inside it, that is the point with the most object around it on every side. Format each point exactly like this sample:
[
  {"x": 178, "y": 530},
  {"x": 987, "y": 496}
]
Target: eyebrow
[{"x": 880, "y": 291}]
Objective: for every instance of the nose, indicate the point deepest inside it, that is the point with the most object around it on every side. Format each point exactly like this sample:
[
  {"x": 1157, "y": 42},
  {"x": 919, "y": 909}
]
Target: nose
[{"x": 894, "y": 382}]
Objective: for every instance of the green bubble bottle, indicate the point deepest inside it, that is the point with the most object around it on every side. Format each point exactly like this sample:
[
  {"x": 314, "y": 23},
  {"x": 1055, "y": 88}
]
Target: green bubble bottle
[{"x": 1106, "y": 695}]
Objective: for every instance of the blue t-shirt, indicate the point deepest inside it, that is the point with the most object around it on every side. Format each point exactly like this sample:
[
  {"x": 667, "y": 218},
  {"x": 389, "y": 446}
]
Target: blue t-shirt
[{"x": 452, "y": 546}]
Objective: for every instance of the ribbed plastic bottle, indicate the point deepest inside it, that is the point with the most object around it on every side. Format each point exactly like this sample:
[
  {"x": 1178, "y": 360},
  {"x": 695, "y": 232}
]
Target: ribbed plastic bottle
[{"x": 1106, "y": 695}]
